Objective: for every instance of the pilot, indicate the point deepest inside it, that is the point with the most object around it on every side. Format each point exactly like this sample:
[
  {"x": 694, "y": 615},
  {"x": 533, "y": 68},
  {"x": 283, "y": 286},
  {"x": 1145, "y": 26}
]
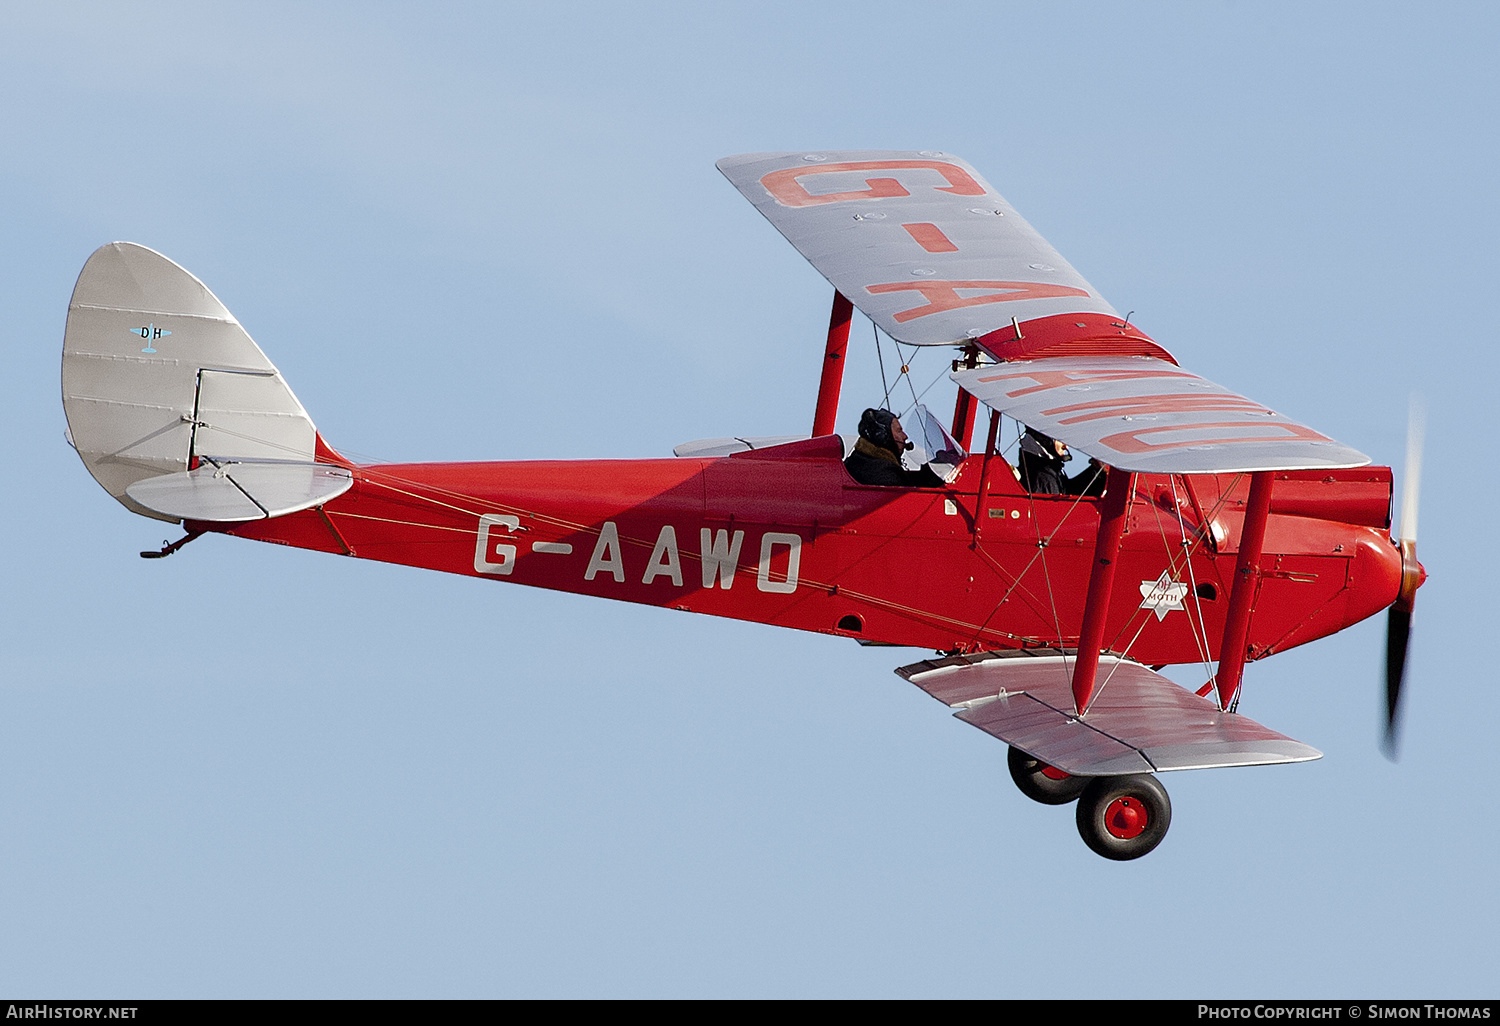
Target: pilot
[
  {"x": 1042, "y": 459},
  {"x": 876, "y": 459}
]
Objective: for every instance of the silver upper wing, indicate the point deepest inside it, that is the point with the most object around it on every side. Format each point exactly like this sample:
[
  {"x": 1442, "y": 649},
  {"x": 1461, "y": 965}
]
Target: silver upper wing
[
  {"x": 926, "y": 249},
  {"x": 917, "y": 240}
]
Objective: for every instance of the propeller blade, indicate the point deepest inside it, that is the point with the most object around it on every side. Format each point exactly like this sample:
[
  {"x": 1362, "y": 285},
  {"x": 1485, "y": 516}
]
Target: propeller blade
[
  {"x": 1397, "y": 639},
  {"x": 1398, "y": 618}
]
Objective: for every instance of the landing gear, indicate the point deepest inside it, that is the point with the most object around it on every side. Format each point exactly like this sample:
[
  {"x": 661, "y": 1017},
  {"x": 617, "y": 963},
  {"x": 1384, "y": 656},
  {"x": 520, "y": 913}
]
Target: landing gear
[
  {"x": 1123, "y": 818},
  {"x": 1042, "y": 783}
]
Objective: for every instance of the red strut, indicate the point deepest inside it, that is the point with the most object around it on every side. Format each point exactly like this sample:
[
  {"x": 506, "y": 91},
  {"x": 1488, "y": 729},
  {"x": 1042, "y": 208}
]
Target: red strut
[
  {"x": 833, "y": 367},
  {"x": 1101, "y": 580},
  {"x": 985, "y": 483},
  {"x": 963, "y": 410},
  {"x": 1242, "y": 596}
]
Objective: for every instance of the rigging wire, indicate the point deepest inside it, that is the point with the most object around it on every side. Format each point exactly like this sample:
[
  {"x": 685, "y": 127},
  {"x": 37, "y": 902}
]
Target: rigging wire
[
  {"x": 1192, "y": 578},
  {"x": 434, "y": 495},
  {"x": 373, "y": 474},
  {"x": 1174, "y": 574},
  {"x": 1047, "y": 577},
  {"x": 881, "y": 357},
  {"x": 1208, "y": 517},
  {"x": 1188, "y": 555},
  {"x": 1018, "y": 578},
  {"x": 1175, "y": 570},
  {"x": 924, "y": 391},
  {"x": 912, "y": 612},
  {"x": 384, "y": 479},
  {"x": 906, "y": 363},
  {"x": 903, "y": 371}
]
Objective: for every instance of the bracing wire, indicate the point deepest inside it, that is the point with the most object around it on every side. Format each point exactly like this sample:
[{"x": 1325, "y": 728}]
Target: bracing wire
[
  {"x": 1174, "y": 573},
  {"x": 924, "y": 391},
  {"x": 1047, "y": 577},
  {"x": 903, "y": 371},
  {"x": 879, "y": 355},
  {"x": 906, "y": 363},
  {"x": 1193, "y": 580},
  {"x": 1039, "y": 555},
  {"x": 1189, "y": 547}
]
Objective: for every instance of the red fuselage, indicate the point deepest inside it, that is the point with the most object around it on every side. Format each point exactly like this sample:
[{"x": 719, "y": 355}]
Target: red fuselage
[{"x": 785, "y": 536}]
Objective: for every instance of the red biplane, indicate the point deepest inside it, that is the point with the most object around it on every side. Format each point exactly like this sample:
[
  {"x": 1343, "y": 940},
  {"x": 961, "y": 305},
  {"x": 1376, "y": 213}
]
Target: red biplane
[{"x": 1225, "y": 532}]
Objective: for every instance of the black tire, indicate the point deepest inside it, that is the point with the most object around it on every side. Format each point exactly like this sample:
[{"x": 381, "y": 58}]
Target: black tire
[
  {"x": 1031, "y": 776},
  {"x": 1123, "y": 818}
]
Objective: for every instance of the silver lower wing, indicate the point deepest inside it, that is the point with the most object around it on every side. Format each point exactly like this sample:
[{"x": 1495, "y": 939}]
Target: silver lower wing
[{"x": 1140, "y": 722}]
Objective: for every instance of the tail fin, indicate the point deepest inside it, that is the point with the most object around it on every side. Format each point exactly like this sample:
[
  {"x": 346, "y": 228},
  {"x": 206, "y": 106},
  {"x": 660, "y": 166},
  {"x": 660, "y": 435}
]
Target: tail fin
[{"x": 165, "y": 393}]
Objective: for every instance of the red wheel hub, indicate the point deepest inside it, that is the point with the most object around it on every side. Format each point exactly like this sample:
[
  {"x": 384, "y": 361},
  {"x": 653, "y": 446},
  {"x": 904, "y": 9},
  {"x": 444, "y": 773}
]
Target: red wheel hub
[
  {"x": 1126, "y": 818},
  {"x": 1052, "y": 772}
]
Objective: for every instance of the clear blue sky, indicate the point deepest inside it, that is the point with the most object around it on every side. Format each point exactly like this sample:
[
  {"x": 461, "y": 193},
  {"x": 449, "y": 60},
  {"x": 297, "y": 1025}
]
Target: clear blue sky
[{"x": 475, "y": 232}]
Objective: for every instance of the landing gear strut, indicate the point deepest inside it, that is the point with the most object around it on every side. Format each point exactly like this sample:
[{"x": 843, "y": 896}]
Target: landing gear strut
[
  {"x": 1042, "y": 783},
  {"x": 1124, "y": 817}
]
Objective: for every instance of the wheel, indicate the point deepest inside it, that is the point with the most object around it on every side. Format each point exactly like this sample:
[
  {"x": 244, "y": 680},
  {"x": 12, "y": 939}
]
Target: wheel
[
  {"x": 1123, "y": 818},
  {"x": 1042, "y": 783}
]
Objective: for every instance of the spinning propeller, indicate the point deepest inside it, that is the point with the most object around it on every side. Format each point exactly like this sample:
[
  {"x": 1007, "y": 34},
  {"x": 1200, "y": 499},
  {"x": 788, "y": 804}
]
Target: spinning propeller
[{"x": 1398, "y": 619}]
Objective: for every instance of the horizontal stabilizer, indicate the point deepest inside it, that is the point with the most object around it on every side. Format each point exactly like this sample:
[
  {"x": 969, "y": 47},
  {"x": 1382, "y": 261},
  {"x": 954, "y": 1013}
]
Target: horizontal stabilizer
[
  {"x": 1139, "y": 722},
  {"x": 1143, "y": 414},
  {"x": 230, "y": 492}
]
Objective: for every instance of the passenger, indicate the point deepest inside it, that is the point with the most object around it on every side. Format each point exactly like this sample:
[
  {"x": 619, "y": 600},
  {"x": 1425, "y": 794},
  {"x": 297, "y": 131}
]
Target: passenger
[
  {"x": 1042, "y": 459},
  {"x": 876, "y": 459}
]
